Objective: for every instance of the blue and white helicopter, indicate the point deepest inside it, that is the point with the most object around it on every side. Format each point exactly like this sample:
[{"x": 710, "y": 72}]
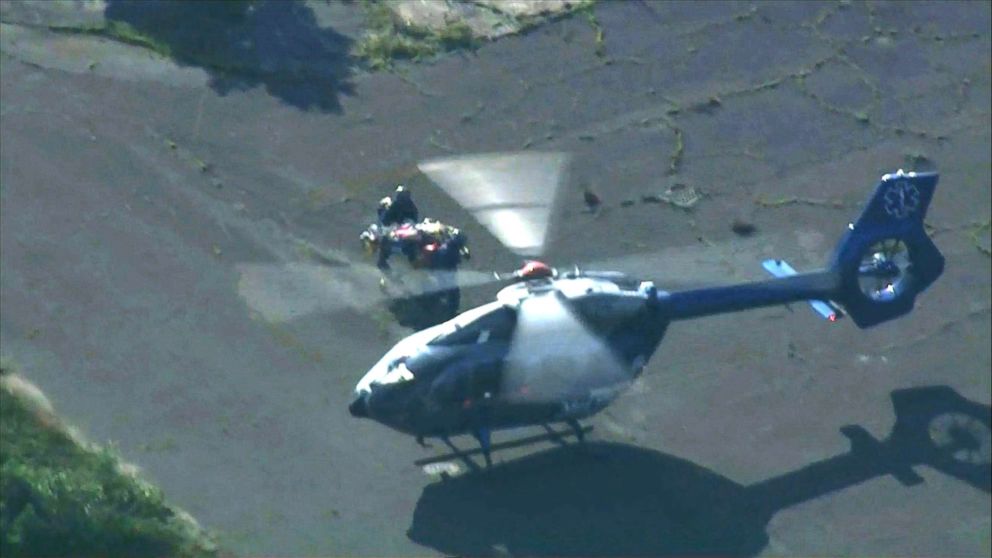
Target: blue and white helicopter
[{"x": 561, "y": 347}]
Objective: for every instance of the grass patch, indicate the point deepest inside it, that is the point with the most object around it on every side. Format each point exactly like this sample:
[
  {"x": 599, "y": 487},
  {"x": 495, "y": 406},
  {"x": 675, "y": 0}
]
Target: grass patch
[
  {"x": 527, "y": 23},
  {"x": 217, "y": 22},
  {"x": 761, "y": 201},
  {"x": 976, "y": 237},
  {"x": 388, "y": 39},
  {"x": 121, "y": 32},
  {"x": 457, "y": 35},
  {"x": 599, "y": 39},
  {"x": 62, "y": 497},
  {"x": 125, "y": 33}
]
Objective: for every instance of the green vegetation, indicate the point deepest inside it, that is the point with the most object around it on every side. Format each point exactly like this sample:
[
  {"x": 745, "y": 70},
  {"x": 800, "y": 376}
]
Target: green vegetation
[
  {"x": 525, "y": 23},
  {"x": 386, "y": 39},
  {"x": 62, "y": 497},
  {"x": 599, "y": 39},
  {"x": 675, "y": 159},
  {"x": 389, "y": 39},
  {"x": 215, "y": 23},
  {"x": 126, "y": 33},
  {"x": 976, "y": 237},
  {"x": 121, "y": 32},
  {"x": 761, "y": 201},
  {"x": 457, "y": 35}
]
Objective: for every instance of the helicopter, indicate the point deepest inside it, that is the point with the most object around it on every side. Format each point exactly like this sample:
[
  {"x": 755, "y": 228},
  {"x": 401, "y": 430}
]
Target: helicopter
[{"x": 560, "y": 347}]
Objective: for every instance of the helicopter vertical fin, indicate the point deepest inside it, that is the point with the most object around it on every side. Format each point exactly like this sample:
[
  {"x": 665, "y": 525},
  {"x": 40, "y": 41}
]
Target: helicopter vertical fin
[{"x": 886, "y": 258}]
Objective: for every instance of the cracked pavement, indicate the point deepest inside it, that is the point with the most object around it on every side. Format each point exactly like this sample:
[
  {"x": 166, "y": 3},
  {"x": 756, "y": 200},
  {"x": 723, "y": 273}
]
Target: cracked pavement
[{"x": 132, "y": 191}]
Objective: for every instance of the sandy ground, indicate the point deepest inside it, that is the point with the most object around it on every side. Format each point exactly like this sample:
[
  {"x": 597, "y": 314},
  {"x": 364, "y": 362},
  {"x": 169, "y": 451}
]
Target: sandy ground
[{"x": 143, "y": 202}]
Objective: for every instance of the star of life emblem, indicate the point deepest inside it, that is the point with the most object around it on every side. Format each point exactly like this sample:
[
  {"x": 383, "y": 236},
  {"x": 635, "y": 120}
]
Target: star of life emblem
[{"x": 902, "y": 199}]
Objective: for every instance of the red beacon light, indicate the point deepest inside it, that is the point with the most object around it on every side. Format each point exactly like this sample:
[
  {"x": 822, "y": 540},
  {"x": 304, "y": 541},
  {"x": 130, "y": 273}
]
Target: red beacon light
[{"x": 534, "y": 269}]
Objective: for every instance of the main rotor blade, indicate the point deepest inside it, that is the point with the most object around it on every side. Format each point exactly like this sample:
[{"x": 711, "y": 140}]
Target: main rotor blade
[
  {"x": 511, "y": 194},
  {"x": 288, "y": 291}
]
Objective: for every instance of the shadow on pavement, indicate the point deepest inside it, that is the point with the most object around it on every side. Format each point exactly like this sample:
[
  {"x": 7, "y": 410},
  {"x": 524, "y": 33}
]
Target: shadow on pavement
[
  {"x": 608, "y": 499},
  {"x": 424, "y": 311},
  {"x": 246, "y": 43}
]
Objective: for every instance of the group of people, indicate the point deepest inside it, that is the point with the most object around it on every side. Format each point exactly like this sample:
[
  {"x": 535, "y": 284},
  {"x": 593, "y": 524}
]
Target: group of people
[{"x": 427, "y": 243}]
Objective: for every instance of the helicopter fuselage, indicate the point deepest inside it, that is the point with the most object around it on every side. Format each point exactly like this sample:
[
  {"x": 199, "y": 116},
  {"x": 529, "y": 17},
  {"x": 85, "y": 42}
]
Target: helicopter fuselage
[{"x": 549, "y": 350}]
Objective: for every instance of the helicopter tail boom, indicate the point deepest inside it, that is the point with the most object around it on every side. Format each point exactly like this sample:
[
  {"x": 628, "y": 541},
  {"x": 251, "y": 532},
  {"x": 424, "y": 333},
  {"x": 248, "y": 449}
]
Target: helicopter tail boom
[
  {"x": 697, "y": 303},
  {"x": 882, "y": 262}
]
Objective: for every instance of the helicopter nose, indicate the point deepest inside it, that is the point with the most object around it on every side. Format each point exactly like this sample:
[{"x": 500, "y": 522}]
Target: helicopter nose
[{"x": 359, "y": 408}]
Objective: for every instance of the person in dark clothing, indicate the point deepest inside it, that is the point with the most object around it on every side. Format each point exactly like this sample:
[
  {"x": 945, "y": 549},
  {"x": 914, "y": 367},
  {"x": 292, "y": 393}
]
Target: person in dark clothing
[
  {"x": 398, "y": 210},
  {"x": 380, "y": 211}
]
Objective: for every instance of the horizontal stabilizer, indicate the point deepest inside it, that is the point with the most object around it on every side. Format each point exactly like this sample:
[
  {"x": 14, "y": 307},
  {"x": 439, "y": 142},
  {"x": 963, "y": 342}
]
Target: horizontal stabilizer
[
  {"x": 781, "y": 268},
  {"x": 870, "y": 449}
]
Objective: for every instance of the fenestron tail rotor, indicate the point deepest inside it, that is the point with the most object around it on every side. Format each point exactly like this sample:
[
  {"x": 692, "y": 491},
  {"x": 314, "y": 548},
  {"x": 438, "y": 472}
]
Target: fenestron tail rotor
[{"x": 883, "y": 269}]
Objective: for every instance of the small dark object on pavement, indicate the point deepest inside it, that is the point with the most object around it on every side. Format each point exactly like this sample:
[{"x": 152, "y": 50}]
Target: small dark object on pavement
[
  {"x": 591, "y": 200},
  {"x": 743, "y": 228}
]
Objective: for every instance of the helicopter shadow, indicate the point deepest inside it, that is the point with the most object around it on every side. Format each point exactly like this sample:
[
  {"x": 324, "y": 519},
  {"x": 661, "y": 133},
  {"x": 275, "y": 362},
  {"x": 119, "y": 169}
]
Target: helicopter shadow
[
  {"x": 610, "y": 499},
  {"x": 243, "y": 44},
  {"x": 421, "y": 312}
]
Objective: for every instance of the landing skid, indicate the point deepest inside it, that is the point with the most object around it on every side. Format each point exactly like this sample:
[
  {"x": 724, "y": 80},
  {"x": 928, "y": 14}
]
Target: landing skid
[{"x": 557, "y": 436}]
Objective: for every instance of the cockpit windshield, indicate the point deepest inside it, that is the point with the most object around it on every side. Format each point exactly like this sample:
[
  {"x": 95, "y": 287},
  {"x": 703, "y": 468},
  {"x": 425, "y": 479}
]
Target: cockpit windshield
[{"x": 492, "y": 322}]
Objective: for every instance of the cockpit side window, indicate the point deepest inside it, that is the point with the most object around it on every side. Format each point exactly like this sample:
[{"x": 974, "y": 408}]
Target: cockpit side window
[{"x": 497, "y": 325}]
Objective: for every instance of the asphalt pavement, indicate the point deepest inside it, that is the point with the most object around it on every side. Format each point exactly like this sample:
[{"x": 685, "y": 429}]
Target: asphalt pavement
[{"x": 181, "y": 271}]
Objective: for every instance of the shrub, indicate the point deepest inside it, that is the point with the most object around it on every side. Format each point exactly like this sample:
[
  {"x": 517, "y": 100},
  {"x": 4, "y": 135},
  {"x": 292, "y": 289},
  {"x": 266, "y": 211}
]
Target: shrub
[{"x": 61, "y": 498}]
